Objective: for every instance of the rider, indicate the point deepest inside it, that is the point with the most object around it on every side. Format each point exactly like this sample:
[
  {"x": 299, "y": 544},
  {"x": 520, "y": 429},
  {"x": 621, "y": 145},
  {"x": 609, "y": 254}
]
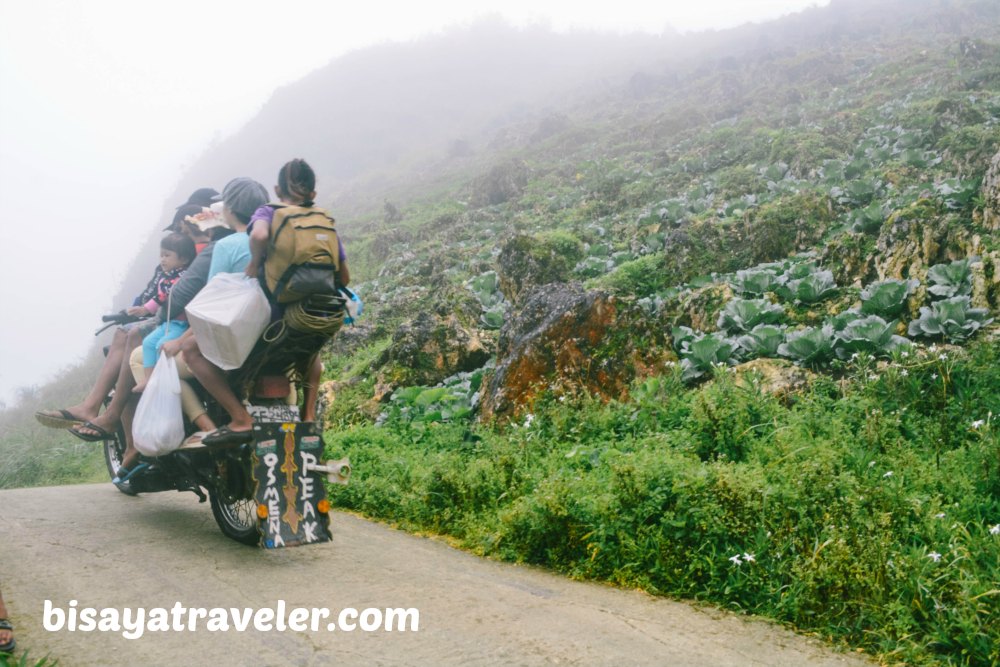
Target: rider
[
  {"x": 84, "y": 419},
  {"x": 202, "y": 227},
  {"x": 296, "y": 186},
  {"x": 241, "y": 197},
  {"x": 177, "y": 251}
]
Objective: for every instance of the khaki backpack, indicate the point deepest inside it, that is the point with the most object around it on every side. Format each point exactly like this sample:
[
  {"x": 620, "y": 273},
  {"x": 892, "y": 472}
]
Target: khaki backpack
[{"x": 303, "y": 255}]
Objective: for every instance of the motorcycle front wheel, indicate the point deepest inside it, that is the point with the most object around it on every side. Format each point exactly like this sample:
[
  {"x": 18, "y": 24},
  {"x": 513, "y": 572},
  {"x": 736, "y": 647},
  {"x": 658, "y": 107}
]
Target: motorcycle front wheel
[
  {"x": 114, "y": 452},
  {"x": 236, "y": 519}
]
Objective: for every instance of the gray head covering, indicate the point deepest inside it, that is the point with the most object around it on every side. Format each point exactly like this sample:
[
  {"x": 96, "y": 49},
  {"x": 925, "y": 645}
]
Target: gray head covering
[{"x": 243, "y": 196}]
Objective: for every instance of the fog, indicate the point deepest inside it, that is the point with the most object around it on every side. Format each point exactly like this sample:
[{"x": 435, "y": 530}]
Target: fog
[{"x": 104, "y": 105}]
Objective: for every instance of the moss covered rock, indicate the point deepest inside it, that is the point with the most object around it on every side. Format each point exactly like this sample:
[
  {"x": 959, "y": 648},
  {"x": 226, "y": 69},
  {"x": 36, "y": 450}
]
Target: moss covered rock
[
  {"x": 569, "y": 339},
  {"x": 427, "y": 349},
  {"x": 529, "y": 261}
]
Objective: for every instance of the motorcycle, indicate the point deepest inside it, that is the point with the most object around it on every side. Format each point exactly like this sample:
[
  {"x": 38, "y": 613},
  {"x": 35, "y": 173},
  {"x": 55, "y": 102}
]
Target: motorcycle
[{"x": 267, "y": 492}]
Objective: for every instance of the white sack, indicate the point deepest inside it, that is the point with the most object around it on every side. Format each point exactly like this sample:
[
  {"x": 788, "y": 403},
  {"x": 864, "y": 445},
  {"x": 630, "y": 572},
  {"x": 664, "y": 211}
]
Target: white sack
[
  {"x": 228, "y": 316},
  {"x": 159, "y": 423}
]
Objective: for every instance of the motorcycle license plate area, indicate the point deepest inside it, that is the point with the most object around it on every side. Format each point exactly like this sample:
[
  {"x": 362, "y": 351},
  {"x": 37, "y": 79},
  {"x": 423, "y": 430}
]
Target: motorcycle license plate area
[{"x": 289, "y": 498}]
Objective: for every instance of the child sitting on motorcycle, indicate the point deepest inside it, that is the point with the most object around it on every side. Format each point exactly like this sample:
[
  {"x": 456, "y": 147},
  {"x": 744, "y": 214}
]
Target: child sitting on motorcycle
[{"x": 177, "y": 251}]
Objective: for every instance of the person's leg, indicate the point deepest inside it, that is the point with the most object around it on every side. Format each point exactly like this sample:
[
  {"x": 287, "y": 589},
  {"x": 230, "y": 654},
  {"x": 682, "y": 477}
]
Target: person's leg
[
  {"x": 310, "y": 388},
  {"x": 213, "y": 379},
  {"x": 131, "y": 456},
  {"x": 150, "y": 348},
  {"x": 90, "y": 406},
  {"x": 6, "y": 635},
  {"x": 108, "y": 422}
]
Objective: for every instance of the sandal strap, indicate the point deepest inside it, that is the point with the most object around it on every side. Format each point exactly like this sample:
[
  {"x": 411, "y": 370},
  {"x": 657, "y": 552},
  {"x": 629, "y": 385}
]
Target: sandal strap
[{"x": 5, "y": 624}]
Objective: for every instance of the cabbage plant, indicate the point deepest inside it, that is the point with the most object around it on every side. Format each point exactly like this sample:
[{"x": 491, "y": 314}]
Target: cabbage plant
[
  {"x": 841, "y": 320},
  {"x": 683, "y": 337},
  {"x": 486, "y": 287},
  {"x": 887, "y": 298},
  {"x": 762, "y": 341},
  {"x": 949, "y": 280},
  {"x": 953, "y": 319},
  {"x": 869, "y": 334},
  {"x": 755, "y": 282},
  {"x": 742, "y": 315},
  {"x": 811, "y": 346},
  {"x": 704, "y": 353},
  {"x": 811, "y": 289}
]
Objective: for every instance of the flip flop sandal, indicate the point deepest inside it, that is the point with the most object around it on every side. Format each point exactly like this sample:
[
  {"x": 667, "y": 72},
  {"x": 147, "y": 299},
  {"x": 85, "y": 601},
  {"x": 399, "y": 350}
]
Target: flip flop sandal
[
  {"x": 227, "y": 436},
  {"x": 11, "y": 645},
  {"x": 65, "y": 419},
  {"x": 101, "y": 434}
]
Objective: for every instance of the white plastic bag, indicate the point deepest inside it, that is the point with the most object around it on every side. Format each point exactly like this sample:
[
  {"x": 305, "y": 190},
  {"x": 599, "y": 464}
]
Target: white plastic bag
[
  {"x": 228, "y": 316},
  {"x": 159, "y": 423}
]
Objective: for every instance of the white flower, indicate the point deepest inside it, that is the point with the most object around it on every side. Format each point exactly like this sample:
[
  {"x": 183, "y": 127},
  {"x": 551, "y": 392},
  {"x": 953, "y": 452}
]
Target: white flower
[
  {"x": 872, "y": 377},
  {"x": 749, "y": 558},
  {"x": 933, "y": 347},
  {"x": 978, "y": 423},
  {"x": 934, "y": 556},
  {"x": 871, "y": 464},
  {"x": 888, "y": 473},
  {"x": 939, "y": 515},
  {"x": 527, "y": 420},
  {"x": 904, "y": 372},
  {"x": 736, "y": 560},
  {"x": 934, "y": 376},
  {"x": 854, "y": 356},
  {"x": 995, "y": 530},
  {"x": 943, "y": 357},
  {"x": 904, "y": 355}
]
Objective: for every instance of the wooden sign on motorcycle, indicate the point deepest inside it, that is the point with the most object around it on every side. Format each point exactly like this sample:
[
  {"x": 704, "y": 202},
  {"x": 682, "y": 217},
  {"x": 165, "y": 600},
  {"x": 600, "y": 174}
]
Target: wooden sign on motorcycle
[{"x": 291, "y": 497}]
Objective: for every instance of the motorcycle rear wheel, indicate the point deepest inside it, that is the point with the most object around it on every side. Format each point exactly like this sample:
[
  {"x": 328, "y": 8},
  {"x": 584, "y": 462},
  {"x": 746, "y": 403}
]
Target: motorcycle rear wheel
[{"x": 236, "y": 519}]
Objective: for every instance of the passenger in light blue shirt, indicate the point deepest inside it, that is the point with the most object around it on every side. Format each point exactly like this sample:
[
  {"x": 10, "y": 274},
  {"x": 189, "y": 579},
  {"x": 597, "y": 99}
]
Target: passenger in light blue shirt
[{"x": 231, "y": 254}]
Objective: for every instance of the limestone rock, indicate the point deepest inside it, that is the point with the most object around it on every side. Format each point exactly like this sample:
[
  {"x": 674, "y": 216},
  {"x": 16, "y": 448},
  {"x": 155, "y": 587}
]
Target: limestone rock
[
  {"x": 698, "y": 309},
  {"x": 776, "y": 376},
  {"x": 529, "y": 261},
  {"x": 428, "y": 349},
  {"x": 991, "y": 195},
  {"x": 568, "y": 339}
]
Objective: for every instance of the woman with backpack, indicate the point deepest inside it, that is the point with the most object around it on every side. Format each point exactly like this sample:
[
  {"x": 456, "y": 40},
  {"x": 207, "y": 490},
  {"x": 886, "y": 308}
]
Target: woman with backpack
[{"x": 296, "y": 191}]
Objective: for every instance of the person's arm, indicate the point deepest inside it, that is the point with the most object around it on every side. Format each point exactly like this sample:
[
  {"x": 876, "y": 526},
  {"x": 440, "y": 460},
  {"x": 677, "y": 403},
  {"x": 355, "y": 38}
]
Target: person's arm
[
  {"x": 259, "y": 231},
  {"x": 258, "y": 247},
  {"x": 189, "y": 285},
  {"x": 172, "y": 347},
  {"x": 345, "y": 274}
]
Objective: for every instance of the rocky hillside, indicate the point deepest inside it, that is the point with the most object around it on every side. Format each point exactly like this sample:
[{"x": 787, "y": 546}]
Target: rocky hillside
[
  {"x": 711, "y": 316},
  {"x": 574, "y": 246}
]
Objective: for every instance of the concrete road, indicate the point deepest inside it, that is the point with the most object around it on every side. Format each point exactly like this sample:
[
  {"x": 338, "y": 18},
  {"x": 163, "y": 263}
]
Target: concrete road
[{"x": 108, "y": 551}]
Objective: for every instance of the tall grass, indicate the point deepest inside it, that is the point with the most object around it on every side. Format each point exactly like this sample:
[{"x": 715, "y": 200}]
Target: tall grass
[{"x": 866, "y": 510}]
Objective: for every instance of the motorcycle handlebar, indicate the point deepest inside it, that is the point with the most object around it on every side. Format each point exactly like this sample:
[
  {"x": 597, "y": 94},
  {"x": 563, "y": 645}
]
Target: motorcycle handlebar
[{"x": 121, "y": 317}]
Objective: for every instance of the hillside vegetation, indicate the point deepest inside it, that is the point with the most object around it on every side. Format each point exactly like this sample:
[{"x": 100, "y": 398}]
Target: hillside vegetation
[{"x": 719, "y": 326}]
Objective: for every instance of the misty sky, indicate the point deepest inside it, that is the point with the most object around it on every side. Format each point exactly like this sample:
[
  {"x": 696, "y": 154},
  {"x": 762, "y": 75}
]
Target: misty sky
[{"x": 103, "y": 103}]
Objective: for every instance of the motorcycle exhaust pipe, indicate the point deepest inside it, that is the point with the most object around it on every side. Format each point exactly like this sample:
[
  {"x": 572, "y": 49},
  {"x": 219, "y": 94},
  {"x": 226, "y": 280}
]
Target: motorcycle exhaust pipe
[{"x": 337, "y": 472}]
